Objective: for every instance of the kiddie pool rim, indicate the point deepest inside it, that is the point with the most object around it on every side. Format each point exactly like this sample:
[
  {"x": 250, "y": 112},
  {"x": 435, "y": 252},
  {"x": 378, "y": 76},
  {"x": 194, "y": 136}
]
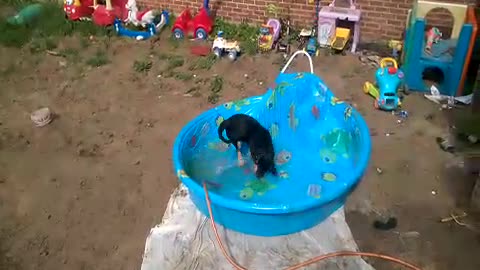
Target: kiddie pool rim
[{"x": 257, "y": 208}]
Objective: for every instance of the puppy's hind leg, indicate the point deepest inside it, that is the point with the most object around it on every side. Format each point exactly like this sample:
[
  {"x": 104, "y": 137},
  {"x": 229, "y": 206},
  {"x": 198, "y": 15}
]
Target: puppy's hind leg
[{"x": 241, "y": 161}]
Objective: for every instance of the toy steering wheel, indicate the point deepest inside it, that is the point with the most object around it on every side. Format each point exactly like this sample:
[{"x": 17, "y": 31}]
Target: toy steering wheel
[
  {"x": 384, "y": 63},
  {"x": 386, "y": 60}
]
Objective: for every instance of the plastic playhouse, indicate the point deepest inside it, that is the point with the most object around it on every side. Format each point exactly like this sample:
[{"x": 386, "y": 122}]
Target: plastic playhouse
[
  {"x": 327, "y": 23},
  {"x": 451, "y": 55},
  {"x": 322, "y": 149},
  {"x": 388, "y": 79},
  {"x": 199, "y": 26}
]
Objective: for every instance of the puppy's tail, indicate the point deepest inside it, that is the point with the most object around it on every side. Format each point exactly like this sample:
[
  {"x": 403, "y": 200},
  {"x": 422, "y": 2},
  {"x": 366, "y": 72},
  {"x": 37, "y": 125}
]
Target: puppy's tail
[{"x": 221, "y": 128}]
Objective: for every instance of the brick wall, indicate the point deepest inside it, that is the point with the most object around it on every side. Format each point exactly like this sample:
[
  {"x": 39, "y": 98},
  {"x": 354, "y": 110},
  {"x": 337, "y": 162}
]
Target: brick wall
[{"x": 382, "y": 19}]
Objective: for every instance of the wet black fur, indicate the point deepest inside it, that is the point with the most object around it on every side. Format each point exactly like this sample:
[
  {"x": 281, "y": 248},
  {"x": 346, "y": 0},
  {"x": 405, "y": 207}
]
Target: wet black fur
[{"x": 245, "y": 129}]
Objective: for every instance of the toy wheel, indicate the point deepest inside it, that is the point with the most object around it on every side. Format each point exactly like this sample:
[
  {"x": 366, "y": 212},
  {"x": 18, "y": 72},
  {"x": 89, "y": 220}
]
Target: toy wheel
[
  {"x": 178, "y": 33},
  {"x": 232, "y": 55},
  {"x": 405, "y": 90},
  {"x": 201, "y": 33},
  {"x": 217, "y": 52},
  {"x": 375, "y": 104}
]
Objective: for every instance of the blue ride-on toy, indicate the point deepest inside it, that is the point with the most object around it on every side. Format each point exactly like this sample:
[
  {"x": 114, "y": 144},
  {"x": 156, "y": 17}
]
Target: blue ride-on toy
[{"x": 389, "y": 78}]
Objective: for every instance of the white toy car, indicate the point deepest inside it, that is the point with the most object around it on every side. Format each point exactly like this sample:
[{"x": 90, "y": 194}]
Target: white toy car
[{"x": 221, "y": 46}]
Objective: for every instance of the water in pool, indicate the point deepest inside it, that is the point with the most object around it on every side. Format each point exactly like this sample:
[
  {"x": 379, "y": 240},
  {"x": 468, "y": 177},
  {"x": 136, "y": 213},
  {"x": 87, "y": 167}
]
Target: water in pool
[{"x": 310, "y": 166}]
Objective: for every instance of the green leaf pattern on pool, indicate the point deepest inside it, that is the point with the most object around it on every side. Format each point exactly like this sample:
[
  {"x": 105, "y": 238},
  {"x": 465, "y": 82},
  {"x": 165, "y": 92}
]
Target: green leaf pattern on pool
[
  {"x": 328, "y": 156},
  {"x": 259, "y": 187},
  {"x": 338, "y": 141},
  {"x": 218, "y": 146}
]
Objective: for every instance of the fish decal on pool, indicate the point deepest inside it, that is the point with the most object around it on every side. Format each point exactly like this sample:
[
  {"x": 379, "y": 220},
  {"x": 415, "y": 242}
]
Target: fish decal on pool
[
  {"x": 299, "y": 76},
  {"x": 181, "y": 174},
  {"x": 193, "y": 141},
  {"x": 283, "y": 157},
  {"x": 246, "y": 193},
  {"x": 281, "y": 87},
  {"x": 335, "y": 101},
  {"x": 315, "y": 112},
  {"x": 328, "y": 156},
  {"x": 321, "y": 92},
  {"x": 292, "y": 119},
  {"x": 274, "y": 130},
  {"x": 348, "y": 113},
  {"x": 259, "y": 186},
  {"x": 330, "y": 177},
  {"x": 237, "y": 105},
  {"x": 283, "y": 174},
  {"x": 271, "y": 101},
  {"x": 219, "y": 120},
  {"x": 219, "y": 146},
  {"x": 314, "y": 191}
]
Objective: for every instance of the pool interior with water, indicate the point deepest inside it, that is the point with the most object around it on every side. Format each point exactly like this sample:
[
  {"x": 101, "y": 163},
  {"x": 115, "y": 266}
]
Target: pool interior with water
[
  {"x": 311, "y": 163},
  {"x": 319, "y": 142}
]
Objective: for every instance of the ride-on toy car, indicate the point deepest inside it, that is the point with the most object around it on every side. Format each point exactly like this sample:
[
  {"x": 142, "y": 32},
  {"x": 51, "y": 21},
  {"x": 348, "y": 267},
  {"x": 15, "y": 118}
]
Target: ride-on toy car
[
  {"x": 199, "y": 26},
  {"x": 389, "y": 78},
  {"x": 221, "y": 46}
]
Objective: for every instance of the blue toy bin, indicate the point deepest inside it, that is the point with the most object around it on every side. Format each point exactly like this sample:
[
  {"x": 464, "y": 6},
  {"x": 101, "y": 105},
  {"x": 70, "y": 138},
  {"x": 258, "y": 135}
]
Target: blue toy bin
[{"x": 322, "y": 148}]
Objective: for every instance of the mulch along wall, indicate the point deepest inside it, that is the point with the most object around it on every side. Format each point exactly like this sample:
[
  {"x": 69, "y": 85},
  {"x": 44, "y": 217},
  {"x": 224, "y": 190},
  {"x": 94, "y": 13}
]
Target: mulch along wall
[{"x": 381, "y": 19}]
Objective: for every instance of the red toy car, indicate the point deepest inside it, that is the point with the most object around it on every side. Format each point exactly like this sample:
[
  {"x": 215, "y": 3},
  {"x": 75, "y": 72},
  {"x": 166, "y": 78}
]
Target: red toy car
[
  {"x": 78, "y": 9},
  {"x": 200, "y": 25}
]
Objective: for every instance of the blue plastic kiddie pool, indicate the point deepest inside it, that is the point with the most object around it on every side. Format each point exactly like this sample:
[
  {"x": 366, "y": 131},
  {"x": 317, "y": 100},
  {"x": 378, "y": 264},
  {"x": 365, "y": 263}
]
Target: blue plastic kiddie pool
[{"x": 322, "y": 148}]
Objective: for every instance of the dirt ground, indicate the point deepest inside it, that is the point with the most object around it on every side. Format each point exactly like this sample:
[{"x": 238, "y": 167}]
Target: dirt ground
[{"x": 84, "y": 191}]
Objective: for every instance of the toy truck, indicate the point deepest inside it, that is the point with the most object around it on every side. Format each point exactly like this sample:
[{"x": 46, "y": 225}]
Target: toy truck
[{"x": 221, "y": 46}]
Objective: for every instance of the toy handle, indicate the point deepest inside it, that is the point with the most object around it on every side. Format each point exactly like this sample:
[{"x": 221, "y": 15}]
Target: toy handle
[
  {"x": 384, "y": 61},
  {"x": 293, "y": 56}
]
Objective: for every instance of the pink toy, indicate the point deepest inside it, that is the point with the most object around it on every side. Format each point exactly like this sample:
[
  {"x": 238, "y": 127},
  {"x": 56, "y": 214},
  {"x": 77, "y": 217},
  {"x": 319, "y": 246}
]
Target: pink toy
[
  {"x": 327, "y": 22},
  {"x": 433, "y": 36}
]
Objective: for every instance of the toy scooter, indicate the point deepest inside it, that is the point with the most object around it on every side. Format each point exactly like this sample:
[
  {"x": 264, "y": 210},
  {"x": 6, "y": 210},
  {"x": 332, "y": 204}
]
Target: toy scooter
[{"x": 388, "y": 80}]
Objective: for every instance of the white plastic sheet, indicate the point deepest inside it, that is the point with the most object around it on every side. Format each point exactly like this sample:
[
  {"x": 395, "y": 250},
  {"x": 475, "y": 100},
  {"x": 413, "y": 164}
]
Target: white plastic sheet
[{"x": 185, "y": 241}]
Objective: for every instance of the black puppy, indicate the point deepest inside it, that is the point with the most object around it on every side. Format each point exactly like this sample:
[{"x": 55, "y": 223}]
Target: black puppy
[{"x": 243, "y": 128}]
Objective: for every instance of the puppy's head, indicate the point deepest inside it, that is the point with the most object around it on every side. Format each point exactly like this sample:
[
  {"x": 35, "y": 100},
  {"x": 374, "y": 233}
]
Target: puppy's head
[{"x": 264, "y": 162}]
